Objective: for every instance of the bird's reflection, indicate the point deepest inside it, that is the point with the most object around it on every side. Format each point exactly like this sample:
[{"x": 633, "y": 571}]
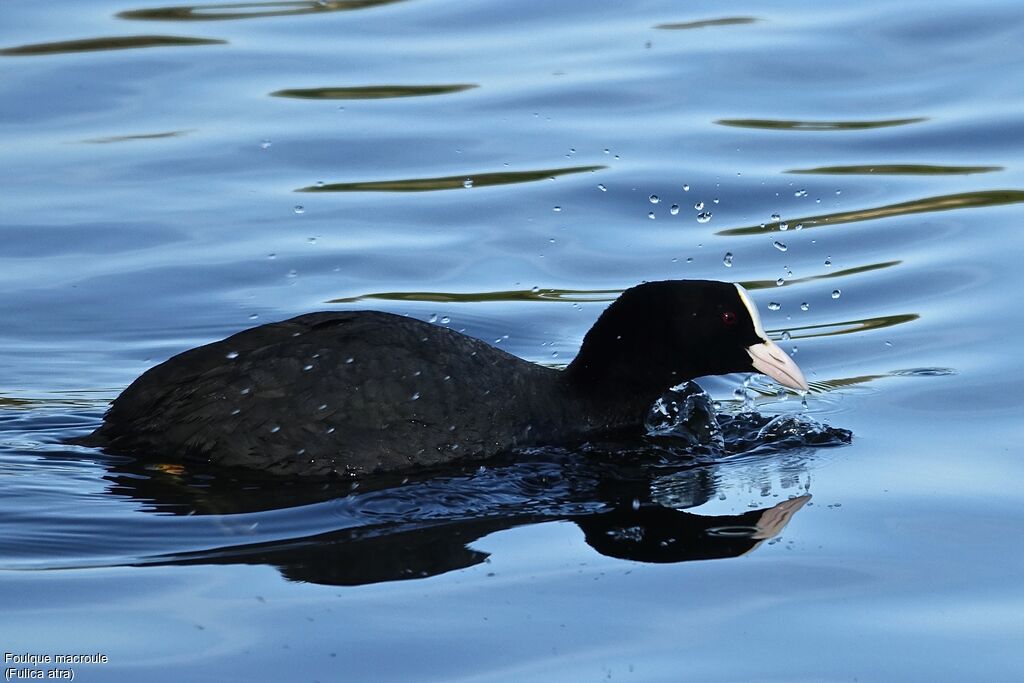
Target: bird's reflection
[{"x": 392, "y": 529}]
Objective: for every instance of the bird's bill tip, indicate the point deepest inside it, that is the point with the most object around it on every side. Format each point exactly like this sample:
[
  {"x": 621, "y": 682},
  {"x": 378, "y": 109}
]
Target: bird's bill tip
[{"x": 767, "y": 358}]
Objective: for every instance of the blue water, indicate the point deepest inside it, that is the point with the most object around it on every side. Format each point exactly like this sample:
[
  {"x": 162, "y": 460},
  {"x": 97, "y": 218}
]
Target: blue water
[{"x": 172, "y": 176}]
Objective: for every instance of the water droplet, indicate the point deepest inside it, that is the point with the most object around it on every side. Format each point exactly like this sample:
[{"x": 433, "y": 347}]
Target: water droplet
[
  {"x": 231, "y": 355},
  {"x": 307, "y": 367},
  {"x": 607, "y": 151},
  {"x": 293, "y": 273},
  {"x": 311, "y": 240},
  {"x": 651, "y": 215},
  {"x": 716, "y": 200},
  {"x": 275, "y": 429},
  {"x": 271, "y": 256},
  {"x": 836, "y": 293},
  {"x": 602, "y": 187},
  {"x": 674, "y": 209},
  {"x": 699, "y": 206},
  {"x": 779, "y": 245},
  {"x": 246, "y": 391},
  {"x": 432, "y": 318},
  {"x": 467, "y": 183},
  {"x": 727, "y": 260},
  {"x": 349, "y": 360},
  {"x": 704, "y": 217},
  {"x": 254, "y": 316},
  {"x": 556, "y": 209},
  {"x": 774, "y": 305},
  {"x": 686, "y": 188},
  {"x": 776, "y": 217},
  {"x": 799, "y": 226},
  {"x": 636, "y": 503},
  {"x": 445, "y": 320},
  {"x": 828, "y": 261},
  {"x": 805, "y": 306},
  {"x": 534, "y": 289},
  {"x": 786, "y": 336},
  {"x": 780, "y": 282},
  {"x": 783, "y": 226},
  {"x": 888, "y": 344},
  {"x": 299, "y": 208},
  {"x": 654, "y": 199},
  {"x": 800, "y": 193},
  {"x": 689, "y": 259},
  {"x": 319, "y": 183},
  {"x": 551, "y": 240},
  {"x": 415, "y": 397},
  {"x": 265, "y": 144}
]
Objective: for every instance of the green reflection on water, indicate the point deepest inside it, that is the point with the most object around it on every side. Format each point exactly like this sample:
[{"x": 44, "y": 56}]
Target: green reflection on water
[
  {"x": 776, "y": 124},
  {"x": 847, "y": 326},
  {"x": 773, "y": 284},
  {"x": 449, "y": 182},
  {"x": 580, "y": 295},
  {"x": 371, "y": 92},
  {"x": 108, "y": 43},
  {"x": 76, "y": 399},
  {"x": 248, "y": 10},
  {"x": 724, "y": 21},
  {"x": 823, "y": 385},
  {"x": 897, "y": 169},
  {"x": 965, "y": 200}
]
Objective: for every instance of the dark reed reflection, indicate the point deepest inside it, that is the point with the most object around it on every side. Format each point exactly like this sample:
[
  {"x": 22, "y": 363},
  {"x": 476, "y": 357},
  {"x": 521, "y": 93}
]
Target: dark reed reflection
[
  {"x": 705, "y": 23},
  {"x": 139, "y": 136},
  {"x": 459, "y": 182},
  {"x": 779, "y": 124},
  {"x": 372, "y": 92},
  {"x": 248, "y": 10},
  {"x": 106, "y": 43},
  {"x": 897, "y": 169}
]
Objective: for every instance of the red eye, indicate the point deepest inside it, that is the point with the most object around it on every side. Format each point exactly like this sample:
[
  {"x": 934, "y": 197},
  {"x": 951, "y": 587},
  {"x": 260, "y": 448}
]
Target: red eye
[{"x": 729, "y": 318}]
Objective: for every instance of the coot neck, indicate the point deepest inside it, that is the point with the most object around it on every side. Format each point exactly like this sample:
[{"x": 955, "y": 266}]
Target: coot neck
[{"x": 603, "y": 404}]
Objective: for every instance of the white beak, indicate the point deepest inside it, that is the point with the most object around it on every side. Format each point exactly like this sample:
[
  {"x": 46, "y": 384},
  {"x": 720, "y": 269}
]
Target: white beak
[{"x": 770, "y": 360}]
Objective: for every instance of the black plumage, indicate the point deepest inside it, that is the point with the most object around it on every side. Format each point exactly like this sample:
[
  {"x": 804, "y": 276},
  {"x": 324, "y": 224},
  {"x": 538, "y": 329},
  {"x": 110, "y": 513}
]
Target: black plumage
[{"x": 354, "y": 392}]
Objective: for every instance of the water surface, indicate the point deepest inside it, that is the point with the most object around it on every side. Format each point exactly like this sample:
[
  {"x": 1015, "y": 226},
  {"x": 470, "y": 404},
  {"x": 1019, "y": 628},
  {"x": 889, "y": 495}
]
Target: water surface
[{"x": 173, "y": 174}]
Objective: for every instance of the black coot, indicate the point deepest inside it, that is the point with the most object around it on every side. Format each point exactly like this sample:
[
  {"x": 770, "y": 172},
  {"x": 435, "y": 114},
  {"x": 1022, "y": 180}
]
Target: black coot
[{"x": 354, "y": 392}]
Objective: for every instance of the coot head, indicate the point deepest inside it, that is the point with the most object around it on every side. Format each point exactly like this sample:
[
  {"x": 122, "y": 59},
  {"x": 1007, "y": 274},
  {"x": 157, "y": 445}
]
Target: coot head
[{"x": 658, "y": 334}]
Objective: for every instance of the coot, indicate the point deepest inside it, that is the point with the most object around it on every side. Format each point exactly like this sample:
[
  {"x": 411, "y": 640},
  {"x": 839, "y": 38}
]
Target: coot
[{"x": 355, "y": 392}]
